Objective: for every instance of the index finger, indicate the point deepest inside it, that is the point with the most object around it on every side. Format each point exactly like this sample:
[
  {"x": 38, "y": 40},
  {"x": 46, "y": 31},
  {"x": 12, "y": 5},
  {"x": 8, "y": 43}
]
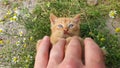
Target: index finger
[
  {"x": 93, "y": 54},
  {"x": 42, "y": 55},
  {"x": 74, "y": 49}
]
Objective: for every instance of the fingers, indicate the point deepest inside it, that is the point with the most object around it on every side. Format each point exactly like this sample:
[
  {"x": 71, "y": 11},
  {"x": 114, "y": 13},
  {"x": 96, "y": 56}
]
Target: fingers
[
  {"x": 57, "y": 53},
  {"x": 93, "y": 54},
  {"x": 74, "y": 49},
  {"x": 38, "y": 43},
  {"x": 41, "y": 59}
]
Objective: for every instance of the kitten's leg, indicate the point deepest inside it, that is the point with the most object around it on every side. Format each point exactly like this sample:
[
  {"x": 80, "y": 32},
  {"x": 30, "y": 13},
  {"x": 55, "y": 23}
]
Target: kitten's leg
[
  {"x": 54, "y": 40},
  {"x": 68, "y": 40}
]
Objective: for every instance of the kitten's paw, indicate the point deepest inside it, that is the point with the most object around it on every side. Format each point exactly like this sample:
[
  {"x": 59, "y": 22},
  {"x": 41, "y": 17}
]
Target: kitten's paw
[
  {"x": 68, "y": 39},
  {"x": 54, "y": 41}
]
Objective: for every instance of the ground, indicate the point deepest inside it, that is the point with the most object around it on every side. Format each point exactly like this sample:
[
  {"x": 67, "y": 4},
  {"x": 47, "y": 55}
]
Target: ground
[{"x": 36, "y": 26}]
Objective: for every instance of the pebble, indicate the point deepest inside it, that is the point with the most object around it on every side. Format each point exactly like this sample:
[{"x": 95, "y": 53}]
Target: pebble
[
  {"x": 92, "y": 2},
  {"x": 1, "y": 45}
]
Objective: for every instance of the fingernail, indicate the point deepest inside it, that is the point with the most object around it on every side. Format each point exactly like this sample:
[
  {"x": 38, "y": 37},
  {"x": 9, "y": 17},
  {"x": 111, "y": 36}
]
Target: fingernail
[
  {"x": 45, "y": 38},
  {"x": 88, "y": 38},
  {"x": 62, "y": 39}
]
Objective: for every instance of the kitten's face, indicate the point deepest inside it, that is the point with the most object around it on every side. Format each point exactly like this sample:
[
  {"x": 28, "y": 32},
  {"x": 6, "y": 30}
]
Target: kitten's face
[{"x": 65, "y": 27}]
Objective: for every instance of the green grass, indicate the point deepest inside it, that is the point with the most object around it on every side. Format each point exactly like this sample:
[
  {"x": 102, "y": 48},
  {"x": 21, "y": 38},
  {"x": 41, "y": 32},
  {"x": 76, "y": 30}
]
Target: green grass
[{"x": 93, "y": 19}]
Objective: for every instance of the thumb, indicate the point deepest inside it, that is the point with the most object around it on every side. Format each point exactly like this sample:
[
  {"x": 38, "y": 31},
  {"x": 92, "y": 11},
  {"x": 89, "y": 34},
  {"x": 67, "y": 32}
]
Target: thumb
[{"x": 93, "y": 54}]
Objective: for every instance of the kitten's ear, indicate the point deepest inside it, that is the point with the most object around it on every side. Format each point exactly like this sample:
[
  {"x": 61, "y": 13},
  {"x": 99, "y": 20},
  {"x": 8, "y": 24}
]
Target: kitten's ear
[
  {"x": 52, "y": 18},
  {"x": 76, "y": 19}
]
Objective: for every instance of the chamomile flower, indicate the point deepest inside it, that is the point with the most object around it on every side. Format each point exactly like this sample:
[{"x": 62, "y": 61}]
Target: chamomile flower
[
  {"x": 27, "y": 15},
  {"x": 21, "y": 33},
  {"x": 9, "y": 12},
  {"x": 14, "y": 18},
  {"x": 117, "y": 30},
  {"x": 28, "y": 58},
  {"x": 31, "y": 38},
  {"x": 112, "y": 13},
  {"x": 104, "y": 50},
  {"x": 17, "y": 11},
  {"x": 48, "y": 4},
  {"x": 1, "y": 41},
  {"x": 102, "y": 39},
  {"x": 1, "y": 21},
  {"x": 18, "y": 43},
  {"x": 15, "y": 59},
  {"x": 1, "y": 30},
  {"x": 25, "y": 45},
  {"x": 24, "y": 39},
  {"x": 6, "y": 16}
]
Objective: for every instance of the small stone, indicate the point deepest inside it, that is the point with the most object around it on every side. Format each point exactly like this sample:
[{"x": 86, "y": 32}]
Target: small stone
[
  {"x": 92, "y": 2},
  {"x": 1, "y": 45}
]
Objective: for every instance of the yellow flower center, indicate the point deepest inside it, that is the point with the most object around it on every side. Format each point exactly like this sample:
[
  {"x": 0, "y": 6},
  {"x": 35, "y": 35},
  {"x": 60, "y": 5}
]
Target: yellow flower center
[
  {"x": 112, "y": 14},
  {"x": 1, "y": 41},
  {"x": 102, "y": 39},
  {"x": 20, "y": 33},
  {"x": 1, "y": 30},
  {"x": 117, "y": 30},
  {"x": 31, "y": 38},
  {"x": 15, "y": 59},
  {"x": 24, "y": 45}
]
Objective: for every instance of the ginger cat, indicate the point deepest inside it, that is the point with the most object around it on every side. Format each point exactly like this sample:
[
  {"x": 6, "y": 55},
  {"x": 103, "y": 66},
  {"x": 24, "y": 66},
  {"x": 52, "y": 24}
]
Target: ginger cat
[{"x": 64, "y": 28}]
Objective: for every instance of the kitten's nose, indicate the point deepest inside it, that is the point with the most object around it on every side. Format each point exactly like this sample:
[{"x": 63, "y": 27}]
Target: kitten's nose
[{"x": 65, "y": 31}]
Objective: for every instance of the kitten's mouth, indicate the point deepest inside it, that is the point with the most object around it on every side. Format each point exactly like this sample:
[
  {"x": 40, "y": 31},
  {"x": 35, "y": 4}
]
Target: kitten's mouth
[{"x": 66, "y": 33}]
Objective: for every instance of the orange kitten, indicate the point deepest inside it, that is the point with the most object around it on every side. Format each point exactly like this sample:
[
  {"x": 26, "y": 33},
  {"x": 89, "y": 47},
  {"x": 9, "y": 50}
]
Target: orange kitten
[{"x": 64, "y": 27}]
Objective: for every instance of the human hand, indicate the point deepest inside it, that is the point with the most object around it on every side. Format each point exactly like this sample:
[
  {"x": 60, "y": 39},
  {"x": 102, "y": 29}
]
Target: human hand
[{"x": 69, "y": 57}]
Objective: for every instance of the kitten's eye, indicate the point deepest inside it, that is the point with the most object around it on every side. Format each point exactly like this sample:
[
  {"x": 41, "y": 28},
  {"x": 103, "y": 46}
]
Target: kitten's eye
[
  {"x": 70, "y": 25},
  {"x": 60, "y": 26}
]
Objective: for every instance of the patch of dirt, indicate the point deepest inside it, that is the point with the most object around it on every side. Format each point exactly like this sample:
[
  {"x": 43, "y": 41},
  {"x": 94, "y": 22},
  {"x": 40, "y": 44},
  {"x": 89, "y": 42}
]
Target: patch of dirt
[
  {"x": 112, "y": 24},
  {"x": 13, "y": 27}
]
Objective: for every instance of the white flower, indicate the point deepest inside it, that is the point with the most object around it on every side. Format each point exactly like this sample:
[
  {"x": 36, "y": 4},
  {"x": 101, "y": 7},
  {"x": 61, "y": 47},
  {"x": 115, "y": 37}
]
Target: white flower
[
  {"x": 112, "y": 13},
  {"x": 104, "y": 50},
  {"x": 1, "y": 30},
  {"x": 9, "y": 12},
  {"x": 18, "y": 43},
  {"x": 15, "y": 59},
  {"x": 1, "y": 21},
  {"x": 14, "y": 18},
  {"x": 17, "y": 12},
  {"x": 27, "y": 15},
  {"x": 24, "y": 39},
  {"x": 21, "y": 33}
]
